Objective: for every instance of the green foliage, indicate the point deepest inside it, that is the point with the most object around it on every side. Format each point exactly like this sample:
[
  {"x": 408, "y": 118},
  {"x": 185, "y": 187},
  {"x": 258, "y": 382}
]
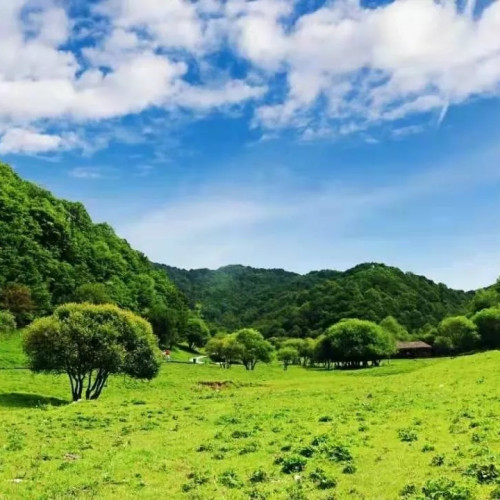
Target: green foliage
[
  {"x": 394, "y": 328},
  {"x": 17, "y": 299},
  {"x": 7, "y": 322},
  {"x": 485, "y": 299},
  {"x": 52, "y": 249},
  {"x": 246, "y": 346},
  {"x": 91, "y": 342},
  {"x": 197, "y": 333},
  {"x": 488, "y": 326},
  {"x": 255, "y": 348},
  {"x": 288, "y": 355},
  {"x": 353, "y": 343},
  {"x": 293, "y": 463},
  {"x": 445, "y": 489},
  {"x": 93, "y": 293},
  {"x": 457, "y": 334},
  {"x": 282, "y": 304}
]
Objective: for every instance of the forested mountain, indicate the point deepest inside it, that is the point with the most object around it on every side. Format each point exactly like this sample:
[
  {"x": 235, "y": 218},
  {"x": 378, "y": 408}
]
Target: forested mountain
[
  {"x": 52, "y": 247},
  {"x": 281, "y": 303}
]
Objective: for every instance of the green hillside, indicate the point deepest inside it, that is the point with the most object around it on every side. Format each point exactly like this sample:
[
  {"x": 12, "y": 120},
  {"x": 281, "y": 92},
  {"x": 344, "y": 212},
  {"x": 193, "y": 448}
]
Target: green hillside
[
  {"x": 283, "y": 303},
  {"x": 52, "y": 246}
]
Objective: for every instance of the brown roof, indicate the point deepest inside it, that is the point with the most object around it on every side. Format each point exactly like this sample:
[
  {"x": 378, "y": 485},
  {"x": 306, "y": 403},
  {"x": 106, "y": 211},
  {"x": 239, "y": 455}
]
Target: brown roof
[{"x": 413, "y": 345}]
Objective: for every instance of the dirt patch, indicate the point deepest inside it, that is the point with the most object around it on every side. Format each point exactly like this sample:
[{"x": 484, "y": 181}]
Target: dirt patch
[{"x": 216, "y": 385}]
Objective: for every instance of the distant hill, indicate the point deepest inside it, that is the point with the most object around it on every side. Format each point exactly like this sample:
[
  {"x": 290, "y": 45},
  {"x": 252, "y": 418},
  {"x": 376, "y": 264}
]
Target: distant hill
[
  {"x": 52, "y": 246},
  {"x": 284, "y": 303}
]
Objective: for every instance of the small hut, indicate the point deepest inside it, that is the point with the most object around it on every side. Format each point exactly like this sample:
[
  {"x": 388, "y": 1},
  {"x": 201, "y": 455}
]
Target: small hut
[{"x": 416, "y": 349}]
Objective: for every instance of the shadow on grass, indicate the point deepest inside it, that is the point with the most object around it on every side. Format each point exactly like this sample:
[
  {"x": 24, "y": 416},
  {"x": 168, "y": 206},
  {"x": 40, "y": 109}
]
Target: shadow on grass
[{"x": 20, "y": 400}]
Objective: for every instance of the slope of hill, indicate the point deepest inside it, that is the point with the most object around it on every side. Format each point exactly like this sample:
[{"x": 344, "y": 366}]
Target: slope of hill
[
  {"x": 283, "y": 303},
  {"x": 53, "y": 247}
]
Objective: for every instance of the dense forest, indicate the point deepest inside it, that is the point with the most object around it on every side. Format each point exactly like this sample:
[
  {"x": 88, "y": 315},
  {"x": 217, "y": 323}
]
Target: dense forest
[
  {"x": 51, "y": 253},
  {"x": 281, "y": 303}
]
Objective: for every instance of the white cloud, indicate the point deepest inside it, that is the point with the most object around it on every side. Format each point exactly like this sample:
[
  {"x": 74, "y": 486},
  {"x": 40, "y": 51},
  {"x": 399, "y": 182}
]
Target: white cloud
[
  {"x": 338, "y": 69},
  {"x": 19, "y": 140}
]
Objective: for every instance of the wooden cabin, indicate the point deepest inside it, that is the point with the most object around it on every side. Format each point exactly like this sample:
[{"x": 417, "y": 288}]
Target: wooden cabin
[{"x": 415, "y": 349}]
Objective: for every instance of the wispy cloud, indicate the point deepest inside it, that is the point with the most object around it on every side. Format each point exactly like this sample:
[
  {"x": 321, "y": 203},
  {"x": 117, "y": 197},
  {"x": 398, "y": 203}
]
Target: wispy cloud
[{"x": 282, "y": 225}]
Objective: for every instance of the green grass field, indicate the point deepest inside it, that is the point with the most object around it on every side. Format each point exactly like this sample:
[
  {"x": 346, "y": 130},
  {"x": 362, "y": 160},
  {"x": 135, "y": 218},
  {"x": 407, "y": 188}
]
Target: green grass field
[{"x": 300, "y": 434}]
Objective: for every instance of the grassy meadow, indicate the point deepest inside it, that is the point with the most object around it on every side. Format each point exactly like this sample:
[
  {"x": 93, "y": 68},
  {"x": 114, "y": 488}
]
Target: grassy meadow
[{"x": 408, "y": 429}]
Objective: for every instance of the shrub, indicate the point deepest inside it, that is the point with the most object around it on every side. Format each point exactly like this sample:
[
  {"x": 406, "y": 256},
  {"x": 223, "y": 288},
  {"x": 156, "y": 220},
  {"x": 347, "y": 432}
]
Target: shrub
[
  {"x": 437, "y": 461},
  {"x": 349, "y": 469},
  {"x": 7, "y": 322},
  {"x": 230, "y": 479},
  {"x": 408, "y": 490},
  {"x": 339, "y": 453},
  {"x": 259, "y": 476},
  {"x": 445, "y": 489},
  {"x": 293, "y": 463},
  {"x": 407, "y": 435},
  {"x": 484, "y": 474},
  {"x": 307, "y": 451},
  {"x": 322, "y": 480},
  {"x": 325, "y": 418}
]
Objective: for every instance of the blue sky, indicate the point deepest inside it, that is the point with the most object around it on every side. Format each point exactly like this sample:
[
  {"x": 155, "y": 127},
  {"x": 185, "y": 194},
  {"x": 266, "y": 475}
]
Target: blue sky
[{"x": 302, "y": 135}]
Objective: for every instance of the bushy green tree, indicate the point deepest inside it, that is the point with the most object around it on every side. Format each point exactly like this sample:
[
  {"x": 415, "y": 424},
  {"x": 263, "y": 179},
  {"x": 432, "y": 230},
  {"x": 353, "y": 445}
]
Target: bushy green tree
[
  {"x": 485, "y": 299},
  {"x": 354, "y": 343},
  {"x": 255, "y": 347},
  {"x": 7, "y": 322},
  {"x": 288, "y": 356},
  {"x": 168, "y": 323},
  {"x": 324, "y": 351},
  {"x": 93, "y": 293},
  {"x": 224, "y": 349},
  {"x": 16, "y": 298},
  {"x": 197, "y": 333},
  {"x": 488, "y": 326},
  {"x": 460, "y": 333},
  {"x": 304, "y": 347},
  {"x": 391, "y": 325},
  {"x": 91, "y": 342}
]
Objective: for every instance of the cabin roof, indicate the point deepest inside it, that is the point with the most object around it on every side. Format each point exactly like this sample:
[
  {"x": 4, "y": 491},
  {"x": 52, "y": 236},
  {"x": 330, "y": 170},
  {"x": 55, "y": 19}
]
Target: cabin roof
[{"x": 413, "y": 345}]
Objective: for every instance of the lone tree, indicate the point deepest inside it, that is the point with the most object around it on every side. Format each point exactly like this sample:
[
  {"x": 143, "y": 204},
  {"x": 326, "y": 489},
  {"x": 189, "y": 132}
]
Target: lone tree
[
  {"x": 353, "y": 343},
  {"x": 255, "y": 348},
  {"x": 91, "y": 342},
  {"x": 288, "y": 355},
  {"x": 197, "y": 333}
]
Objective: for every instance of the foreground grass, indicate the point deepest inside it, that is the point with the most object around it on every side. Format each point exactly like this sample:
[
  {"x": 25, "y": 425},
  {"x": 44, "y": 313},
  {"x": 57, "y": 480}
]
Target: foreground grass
[{"x": 374, "y": 433}]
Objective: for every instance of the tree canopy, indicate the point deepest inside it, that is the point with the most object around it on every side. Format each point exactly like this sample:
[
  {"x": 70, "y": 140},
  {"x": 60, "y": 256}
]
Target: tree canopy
[
  {"x": 91, "y": 342},
  {"x": 52, "y": 249},
  {"x": 488, "y": 327},
  {"x": 283, "y": 304},
  {"x": 457, "y": 334},
  {"x": 352, "y": 343},
  {"x": 246, "y": 346},
  {"x": 197, "y": 333}
]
